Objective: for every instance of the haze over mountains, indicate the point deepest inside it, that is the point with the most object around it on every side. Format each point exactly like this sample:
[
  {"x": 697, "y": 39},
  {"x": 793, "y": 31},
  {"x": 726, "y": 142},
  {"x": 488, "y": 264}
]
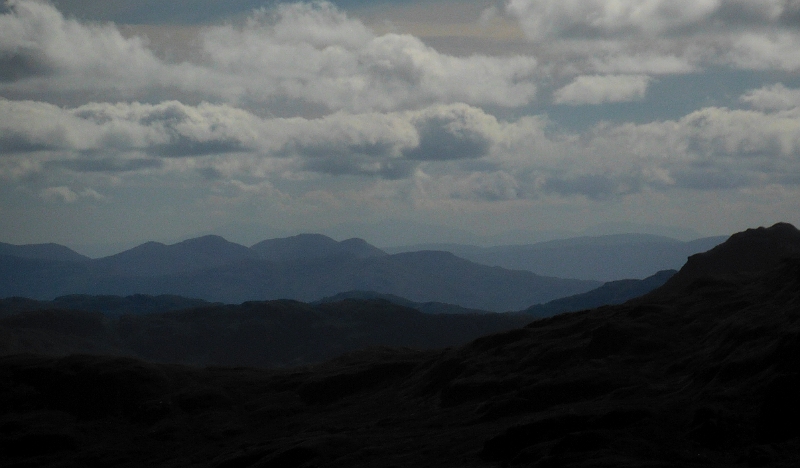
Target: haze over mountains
[
  {"x": 700, "y": 372},
  {"x": 310, "y": 267},
  {"x": 600, "y": 258}
]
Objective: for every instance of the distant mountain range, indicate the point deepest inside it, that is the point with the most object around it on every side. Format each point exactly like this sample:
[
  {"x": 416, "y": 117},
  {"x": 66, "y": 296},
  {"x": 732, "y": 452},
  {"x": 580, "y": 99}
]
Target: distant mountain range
[
  {"x": 599, "y": 258},
  {"x": 304, "y": 267}
]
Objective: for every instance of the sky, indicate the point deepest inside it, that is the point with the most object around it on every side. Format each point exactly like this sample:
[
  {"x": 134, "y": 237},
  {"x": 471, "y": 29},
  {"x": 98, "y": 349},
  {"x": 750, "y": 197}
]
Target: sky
[{"x": 399, "y": 121}]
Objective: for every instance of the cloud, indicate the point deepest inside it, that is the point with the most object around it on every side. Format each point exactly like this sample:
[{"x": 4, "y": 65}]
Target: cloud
[
  {"x": 775, "y": 97},
  {"x": 130, "y": 137},
  {"x": 316, "y": 53},
  {"x": 304, "y": 93},
  {"x": 465, "y": 152},
  {"x": 45, "y": 51},
  {"x": 660, "y": 36},
  {"x": 291, "y": 53},
  {"x": 543, "y": 19},
  {"x": 490, "y": 187},
  {"x": 109, "y": 165},
  {"x": 593, "y": 186},
  {"x": 166, "y": 129},
  {"x": 598, "y": 89},
  {"x": 456, "y": 132},
  {"x": 67, "y": 195}
]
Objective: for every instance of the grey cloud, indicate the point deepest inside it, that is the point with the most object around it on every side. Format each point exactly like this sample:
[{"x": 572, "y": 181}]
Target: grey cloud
[
  {"x": 789, "y": 178},
  {"x": 333, "y": 148},
  {"x": 183, "y": 146},
  {"x": 18, "y": 143},
  {"x": 708, "y": 178},
  {"x": 790, "y": 16},
  {"x": 439, "y": 142},
  {"x": 109, "y": 165},
  {"x": 486, "y": 159},
  {"x": 593, "y": 186},
  {"x": 762, "y": 13},
  {"x": 210, "y": 173},
  {"x": 15, "y": 66},
  {"x": 337, "y": 166},
  {"x": 67, "y": 56},
  {"x": 172, "y": 129},
  {"x": 454, "y": 133}
]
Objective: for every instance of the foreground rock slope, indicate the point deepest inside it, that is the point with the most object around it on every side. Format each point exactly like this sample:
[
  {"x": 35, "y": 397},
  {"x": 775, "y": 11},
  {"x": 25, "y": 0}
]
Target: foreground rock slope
[{"x": 702, "y": 372}]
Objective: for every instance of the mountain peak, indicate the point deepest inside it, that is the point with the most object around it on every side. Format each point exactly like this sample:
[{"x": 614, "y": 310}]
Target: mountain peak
[
  {"x": 205, "y": 242},
  {"x": 190, "y": 255},
  {"x": 49, "y": 251},
  {"x": 747, "y": 252},
  {"x": 314, "y": 246}
]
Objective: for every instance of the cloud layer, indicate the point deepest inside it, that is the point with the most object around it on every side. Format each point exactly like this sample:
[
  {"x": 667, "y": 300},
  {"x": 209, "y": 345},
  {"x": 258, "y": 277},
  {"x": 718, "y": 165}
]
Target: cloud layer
[
  {"x": 662, "y": 36},
  {"x": 302, "y": 101},
  {"x": 309, "y": 53},
  {"x": 472, "y": 152}
]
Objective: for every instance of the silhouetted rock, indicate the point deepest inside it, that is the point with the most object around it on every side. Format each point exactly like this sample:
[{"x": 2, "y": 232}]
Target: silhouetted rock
[{"x": 750, "y": 252}]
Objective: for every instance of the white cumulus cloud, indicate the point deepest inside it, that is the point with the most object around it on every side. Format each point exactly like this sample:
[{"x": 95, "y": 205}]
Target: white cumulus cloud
[
  {"x": 775, "y": 97},
  {"x": 291, "y": 53},
  {"x": 599, "y": 89},
  {"x": 661, "y": 36}
]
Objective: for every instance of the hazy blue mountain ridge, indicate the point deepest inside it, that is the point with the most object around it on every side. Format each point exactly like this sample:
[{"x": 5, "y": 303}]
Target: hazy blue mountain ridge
[
  {"x": 419, "y": 276},
  {"x": 154, "y": 258},
  {"x": 610, "y": 293},
  {"x": 48, "y": 251},
  {"x": 425, "y": 307},
  {"x": 599, "y": 258},
  {"x": 304, "y": 247},
  {"x": 306, "y": 268}
]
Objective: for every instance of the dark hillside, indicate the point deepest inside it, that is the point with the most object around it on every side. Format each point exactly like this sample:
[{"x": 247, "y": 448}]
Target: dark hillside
[
  {"x": 698, "y": 375},
  {"x": 108, "y": 305},
  {"x": 259, "y": 334},
  {"x": 746, "y": 253}
]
